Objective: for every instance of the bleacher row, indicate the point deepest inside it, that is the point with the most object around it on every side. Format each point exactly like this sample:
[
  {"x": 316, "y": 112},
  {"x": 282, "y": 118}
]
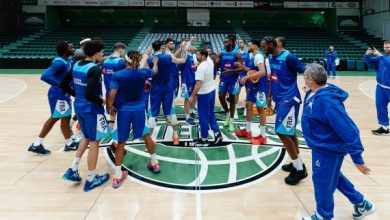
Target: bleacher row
[
  {"x": 215, "y": 41},
  {"x": 305, "y": 43}
]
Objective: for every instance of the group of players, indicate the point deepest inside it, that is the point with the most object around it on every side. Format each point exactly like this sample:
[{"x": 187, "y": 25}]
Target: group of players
[
  {"x": 266, "y": 70},
  {"x": 137, "y": 83}
]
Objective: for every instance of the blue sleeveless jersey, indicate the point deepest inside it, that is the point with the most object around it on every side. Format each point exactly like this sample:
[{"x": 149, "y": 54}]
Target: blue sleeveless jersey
[
  {"x": 284, "y": 76},
  {"x": 227, "y": 62},
  {"x": 163, "y": 79},
  {"x": 109, "y": 67},
  {"x": 80, "y": 79},
  {"x": 188, "y": 72},
  {"x": 245, "y": 61}
]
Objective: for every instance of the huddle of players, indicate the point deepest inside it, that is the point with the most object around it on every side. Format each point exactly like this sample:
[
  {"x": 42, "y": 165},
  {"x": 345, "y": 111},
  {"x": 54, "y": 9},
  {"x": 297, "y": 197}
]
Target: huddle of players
[
  {"x": 126, "y": 97},
  {"x": 269, "y": 73}
]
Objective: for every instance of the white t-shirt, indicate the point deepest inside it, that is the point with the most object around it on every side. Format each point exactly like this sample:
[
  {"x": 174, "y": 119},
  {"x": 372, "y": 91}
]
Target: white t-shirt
[
  {"x": 210, "y": 61},
  {"x": 205, "y": 73},
  {"x": 259, "y": 58},
  {"x": 267, "y": 66}
]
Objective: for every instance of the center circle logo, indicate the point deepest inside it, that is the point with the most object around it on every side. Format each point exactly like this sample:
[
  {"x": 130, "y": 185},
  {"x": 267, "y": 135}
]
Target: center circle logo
[{"x": 234, "y": 163}]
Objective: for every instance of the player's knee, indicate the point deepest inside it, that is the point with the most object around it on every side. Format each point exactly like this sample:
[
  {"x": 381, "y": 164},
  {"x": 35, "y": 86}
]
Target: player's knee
[{"x": 152, "y": 122}]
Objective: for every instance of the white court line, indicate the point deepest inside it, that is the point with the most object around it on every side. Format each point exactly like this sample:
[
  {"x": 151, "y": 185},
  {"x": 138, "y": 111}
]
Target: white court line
[
  {"x": 136, "y": 180},
  {"x": 18, "y": 93},
  {"x": 211, "y": 162},
  {"x": 232, "y": 164},
  {"x": 203, "y": 168},
  {"x": 363, "y": 87},
  {"x": 257, "y": 159}
]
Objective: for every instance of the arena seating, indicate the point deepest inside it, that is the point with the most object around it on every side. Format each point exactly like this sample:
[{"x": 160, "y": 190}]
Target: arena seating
[{"x": 308, "y": 44}]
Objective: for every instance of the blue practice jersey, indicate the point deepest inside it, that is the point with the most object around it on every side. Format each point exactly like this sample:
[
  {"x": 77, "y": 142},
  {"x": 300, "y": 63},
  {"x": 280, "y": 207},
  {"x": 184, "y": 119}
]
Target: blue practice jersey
[
  {"x": 245, "y": 61},
  {"x": 130, "y": 84},
  {"x": 284, "y": 69},
  {"x": 188, "y": 70},
  {"x": 163, "y": 79},
  {"x": 109, "y": 67},
  {"x": 227, "y": 62},
  {"x": 80, "y": 80}
]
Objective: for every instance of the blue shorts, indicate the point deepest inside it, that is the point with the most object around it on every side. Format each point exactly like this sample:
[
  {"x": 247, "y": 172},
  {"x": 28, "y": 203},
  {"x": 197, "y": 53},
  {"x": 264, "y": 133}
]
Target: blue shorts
[
  {"x": 158, "y": 98},
  {"x": 233, "y": 88},
  {"x": 256, "y": 96},
  {"x": 60, "y": 107},
  {"x": 286, "y": 117},
  {"x": 186, "y": 90},
  {"x": 94, "y": 126},
  {"x": 130, "y": 119}
]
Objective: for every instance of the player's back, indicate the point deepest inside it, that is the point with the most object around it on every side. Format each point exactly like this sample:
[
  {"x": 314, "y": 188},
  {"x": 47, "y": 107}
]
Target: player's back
[
  {"x": 130, "y": 84},
  {"x": 162, "y": 79},
  {"x": 80, "y": 79},
  {"x": 188, "y": 73},
  {"x": 109, "y": 67}
]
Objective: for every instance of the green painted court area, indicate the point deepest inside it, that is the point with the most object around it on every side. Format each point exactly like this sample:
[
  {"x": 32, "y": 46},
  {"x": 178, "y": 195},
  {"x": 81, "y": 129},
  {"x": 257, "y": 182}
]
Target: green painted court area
[
  {"x": 40, "y": 71},
  {"x": 214, "y": 166}
]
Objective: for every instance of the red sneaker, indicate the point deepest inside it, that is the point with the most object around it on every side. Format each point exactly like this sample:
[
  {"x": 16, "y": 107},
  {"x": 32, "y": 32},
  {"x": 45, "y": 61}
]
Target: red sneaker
[
  {"x": 244, "y": 133},
  {"x": 259, "y": 140}
]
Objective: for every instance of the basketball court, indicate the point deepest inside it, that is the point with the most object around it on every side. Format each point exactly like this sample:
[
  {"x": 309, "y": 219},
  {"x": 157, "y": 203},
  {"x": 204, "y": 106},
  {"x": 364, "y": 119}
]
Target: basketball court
[{"x": 232, "y": 181}]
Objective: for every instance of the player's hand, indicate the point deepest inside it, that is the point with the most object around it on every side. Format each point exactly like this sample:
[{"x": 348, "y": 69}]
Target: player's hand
[
  {"x": 363, "y": 169},
  {"x": 103, "y": 102},
  {"x": 243, "y": 80},
  {"x": 190, "y": 99},
  {"x": 369, "y": 51},
  {"x": 155, "y": 60},
  {"x": 148, "y": 51}
]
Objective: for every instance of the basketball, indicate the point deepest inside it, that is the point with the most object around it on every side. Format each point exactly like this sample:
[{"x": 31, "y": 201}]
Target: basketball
[{"x": 251, "y": 72}]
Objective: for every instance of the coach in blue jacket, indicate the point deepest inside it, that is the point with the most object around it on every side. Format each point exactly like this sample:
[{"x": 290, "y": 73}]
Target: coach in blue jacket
[
  {"x": 331, "y": 134},
  {"x": 331, "y": 56},
  {"x": 382, "y": 96}
]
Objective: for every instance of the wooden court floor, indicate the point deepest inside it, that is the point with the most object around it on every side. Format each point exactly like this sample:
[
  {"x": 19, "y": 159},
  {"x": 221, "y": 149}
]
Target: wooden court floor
[{"x": 31, "y": 186}]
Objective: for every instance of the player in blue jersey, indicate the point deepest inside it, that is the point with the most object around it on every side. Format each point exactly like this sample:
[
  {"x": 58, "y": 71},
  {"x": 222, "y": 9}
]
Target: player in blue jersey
[
  {"x": 228, "y": 81},
  {"x": 257, "y": 91},
  {"x": 60, "y": 105},
  {"x": 284, "y": 70},
  {"x": 89, "y": 108},
  {"x": 281, "y": 42},
  {"x": 245, "y": 60},
  {"x": 111, "y": 65},
  {"x": 127, "y": 89},
  {"x": 162, "y": 90},
  {"x": 170, "y": 50},
  {"x": 188, "y": 83}
]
